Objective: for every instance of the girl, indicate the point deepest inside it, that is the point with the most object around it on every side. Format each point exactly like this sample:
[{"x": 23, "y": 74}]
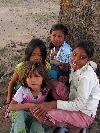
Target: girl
[
  {"x": 60, "y": 50},
  {"x": 80, "y": 110},
  {"x": 35, "y": 51},
  {"x": 34, "y": 89}
]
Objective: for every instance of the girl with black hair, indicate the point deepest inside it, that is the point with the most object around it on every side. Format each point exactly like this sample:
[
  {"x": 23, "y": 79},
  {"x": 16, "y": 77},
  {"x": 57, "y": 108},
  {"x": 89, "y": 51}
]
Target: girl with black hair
[{"x": 80, "y": 109}]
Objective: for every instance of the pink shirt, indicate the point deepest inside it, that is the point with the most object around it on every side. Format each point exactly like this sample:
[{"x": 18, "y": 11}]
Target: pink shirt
[{"x": 24, "y": 95}]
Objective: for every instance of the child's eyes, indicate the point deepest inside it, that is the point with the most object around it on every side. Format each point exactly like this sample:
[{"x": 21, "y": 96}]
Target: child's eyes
[
  {"x": 34, "y": 76},
  {"x": 58, "y": 36},
  {"x": 54, "y": 35},
  {"x": 36, "y": 54},
  {"x": 74, "y": 54},
  {"x": 82, "y": 57},
  {"x": 37, "y": 76}
]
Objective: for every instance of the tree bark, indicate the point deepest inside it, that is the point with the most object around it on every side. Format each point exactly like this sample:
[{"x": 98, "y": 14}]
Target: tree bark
[{"x": 82, "y": 18}]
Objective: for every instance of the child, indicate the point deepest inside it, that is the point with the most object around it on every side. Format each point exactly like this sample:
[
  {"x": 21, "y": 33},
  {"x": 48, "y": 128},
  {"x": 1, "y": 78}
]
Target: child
[
  {"x": 35, "y": 51},
  {"x": 80, "y": 110},
  {"x": 60, "y": 50},
  {"x": 34, "y": 89}
]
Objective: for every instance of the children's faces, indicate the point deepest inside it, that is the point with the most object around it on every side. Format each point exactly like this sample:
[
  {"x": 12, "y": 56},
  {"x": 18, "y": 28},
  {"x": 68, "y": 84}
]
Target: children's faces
[
  {"x": 34, "y": 81},
  {"x": 36, "y": 55},
  {"x": 57, "y": 37},
  {"x": 79, "y": 58}
]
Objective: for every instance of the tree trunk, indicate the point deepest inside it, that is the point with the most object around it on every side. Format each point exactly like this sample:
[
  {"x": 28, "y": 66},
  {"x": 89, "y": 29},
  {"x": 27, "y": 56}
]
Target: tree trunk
[{"x": 82, "y": 17}]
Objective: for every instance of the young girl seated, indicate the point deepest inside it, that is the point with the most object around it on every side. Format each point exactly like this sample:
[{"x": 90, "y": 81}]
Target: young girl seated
[
  {"x": 34, "y": 89},
  {"x": 35, "y": 51},
  {"x": 80, "y": 109}
]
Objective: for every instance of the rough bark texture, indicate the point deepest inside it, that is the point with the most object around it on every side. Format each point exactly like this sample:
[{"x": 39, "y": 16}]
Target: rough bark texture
[{"x": 82, "y": 17}]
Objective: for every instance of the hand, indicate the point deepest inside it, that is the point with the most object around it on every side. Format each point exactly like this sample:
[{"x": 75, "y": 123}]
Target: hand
[
  {"x": 42, "y": 109},
  {"x": 39, "y": 113},
  {"x": 63, "y": 79},
  {"x": 49, "y": 105},
  {"x": 31, "y": 106},
  {"x": 52, "y": 56},
  {"x": 5, "y": 109}
]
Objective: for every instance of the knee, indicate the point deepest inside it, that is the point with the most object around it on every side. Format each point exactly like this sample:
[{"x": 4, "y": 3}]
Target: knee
[{"x": 21, "y": 114}]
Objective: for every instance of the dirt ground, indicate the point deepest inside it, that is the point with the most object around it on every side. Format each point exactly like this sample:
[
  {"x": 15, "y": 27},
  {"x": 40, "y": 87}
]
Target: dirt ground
[{"x": 20, "y": 21}]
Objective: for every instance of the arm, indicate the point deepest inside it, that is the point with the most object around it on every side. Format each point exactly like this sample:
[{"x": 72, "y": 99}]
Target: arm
[
  {"x": 64, "y": 66},
  {"x": 81, "y": 94},
  {"x": 11, "y": 86},
  {"x": 55, "y": 62},
  {"x": 41, "y": 109},
  {"x": 44, "y": 107},
  {"x": 14, "y": 105}
]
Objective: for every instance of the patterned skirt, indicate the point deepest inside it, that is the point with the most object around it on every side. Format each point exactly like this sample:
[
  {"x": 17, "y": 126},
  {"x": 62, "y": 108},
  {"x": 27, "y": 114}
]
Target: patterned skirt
[{"x": 77, "y": 119}]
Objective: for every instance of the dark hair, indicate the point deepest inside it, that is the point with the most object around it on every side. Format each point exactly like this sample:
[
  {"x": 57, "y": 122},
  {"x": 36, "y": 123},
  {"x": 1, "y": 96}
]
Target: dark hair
[
  {"x": 31, "y": 67},
  {"x": 88, "y": 47},
  {"x": 32, "y": 45},
  {"x": 60, "y": 27}
]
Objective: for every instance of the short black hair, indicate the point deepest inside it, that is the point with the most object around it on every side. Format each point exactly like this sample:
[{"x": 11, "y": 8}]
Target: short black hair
[
  {"x": 59, "y": 26},
  {"x": 87, "y": 45}
]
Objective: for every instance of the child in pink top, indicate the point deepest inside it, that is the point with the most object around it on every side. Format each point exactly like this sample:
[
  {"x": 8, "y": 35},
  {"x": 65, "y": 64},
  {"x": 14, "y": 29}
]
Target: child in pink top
[{"x": 34, "y": 89}]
